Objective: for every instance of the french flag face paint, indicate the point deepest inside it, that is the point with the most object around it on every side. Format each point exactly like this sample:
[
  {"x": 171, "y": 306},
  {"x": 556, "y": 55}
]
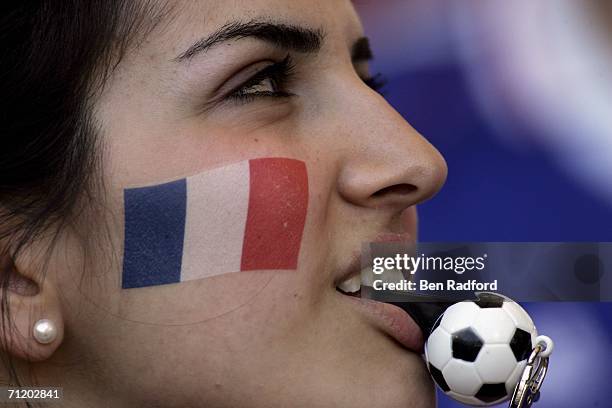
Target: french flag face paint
[{"x": 246, "y": 216}]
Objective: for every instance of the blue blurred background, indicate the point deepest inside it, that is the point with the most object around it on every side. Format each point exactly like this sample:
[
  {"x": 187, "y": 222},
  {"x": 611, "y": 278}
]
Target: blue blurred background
[{"x": 518, "y": 98}]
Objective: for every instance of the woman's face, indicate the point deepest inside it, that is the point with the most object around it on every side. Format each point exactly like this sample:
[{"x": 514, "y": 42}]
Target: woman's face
[{"x": 214, "y": 86}]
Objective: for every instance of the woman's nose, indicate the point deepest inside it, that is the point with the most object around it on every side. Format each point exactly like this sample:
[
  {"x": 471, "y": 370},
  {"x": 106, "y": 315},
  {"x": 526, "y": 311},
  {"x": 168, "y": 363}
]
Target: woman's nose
[{"x": 390, "y": 164}]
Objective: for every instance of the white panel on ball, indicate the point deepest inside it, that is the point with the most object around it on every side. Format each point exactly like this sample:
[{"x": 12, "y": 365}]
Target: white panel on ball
[
  {"x": 494, "y": 326},
  {"x": 519, "y": 316},
  {"x": 515, "y": 377},
  {"x": 459, "y": 316},
  {"x": 495, "y": 363},
  {"x": 462, "y": 377},
  {"x": 438, "y": 350}
]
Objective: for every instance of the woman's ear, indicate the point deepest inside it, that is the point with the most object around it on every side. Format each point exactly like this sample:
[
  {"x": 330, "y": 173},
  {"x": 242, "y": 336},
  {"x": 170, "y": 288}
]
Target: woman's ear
[{"x": 28, "y": 298}]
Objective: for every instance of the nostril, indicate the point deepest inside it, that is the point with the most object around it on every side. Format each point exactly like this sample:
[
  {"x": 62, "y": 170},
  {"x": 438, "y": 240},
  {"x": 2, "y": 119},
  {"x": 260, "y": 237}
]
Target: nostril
[{"x": 396, "y": 189}]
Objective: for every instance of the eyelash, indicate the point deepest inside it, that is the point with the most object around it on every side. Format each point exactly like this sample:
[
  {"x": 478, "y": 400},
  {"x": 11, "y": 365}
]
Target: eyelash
[{"x": 280, "y": 74}]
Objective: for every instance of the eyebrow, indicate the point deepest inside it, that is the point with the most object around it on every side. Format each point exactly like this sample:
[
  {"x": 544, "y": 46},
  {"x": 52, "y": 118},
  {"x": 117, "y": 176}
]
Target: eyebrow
[{"x": 286, "y": 36}]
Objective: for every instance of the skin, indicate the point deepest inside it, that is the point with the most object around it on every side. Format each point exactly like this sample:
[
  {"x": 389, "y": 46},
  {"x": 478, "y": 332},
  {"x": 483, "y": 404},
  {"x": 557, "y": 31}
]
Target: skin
[{"x": 260, "y": 339}]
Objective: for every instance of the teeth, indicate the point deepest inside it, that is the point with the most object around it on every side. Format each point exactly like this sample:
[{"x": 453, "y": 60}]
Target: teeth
[
  {"x": 351, "y": 285},
  {"x": 367, "y": 276}
]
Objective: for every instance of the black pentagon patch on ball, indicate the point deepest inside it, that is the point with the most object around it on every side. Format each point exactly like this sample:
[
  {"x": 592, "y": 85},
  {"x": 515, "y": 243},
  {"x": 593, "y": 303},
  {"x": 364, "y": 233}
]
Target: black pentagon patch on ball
[
  {"x": 521, "y": 344},
  {"x": 439, "y": 378},
  {"x": 491, "y": 392},
  {"x": 466, "y": 345},
  {"x": 486, "y": 300}
]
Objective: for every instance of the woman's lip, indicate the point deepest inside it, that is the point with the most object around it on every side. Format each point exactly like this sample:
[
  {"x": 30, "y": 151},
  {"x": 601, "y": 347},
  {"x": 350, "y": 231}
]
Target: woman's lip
[
  {"x": 393, "y": 321},
  {"x": 389, "y": 318}
]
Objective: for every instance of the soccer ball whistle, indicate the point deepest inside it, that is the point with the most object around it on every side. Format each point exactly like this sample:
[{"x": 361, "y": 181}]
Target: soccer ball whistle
[{"x": 483, "y": 351}]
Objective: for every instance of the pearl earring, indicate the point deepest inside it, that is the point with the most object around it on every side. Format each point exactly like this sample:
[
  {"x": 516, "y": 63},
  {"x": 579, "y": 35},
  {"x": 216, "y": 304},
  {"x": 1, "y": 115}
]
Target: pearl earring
[{"x": 44, "y": 331}]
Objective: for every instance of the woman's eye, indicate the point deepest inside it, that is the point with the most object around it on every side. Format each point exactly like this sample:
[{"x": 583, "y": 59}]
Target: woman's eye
[
  {"x": 266, "y": 85},
  {"x": 271, "y": 81}
]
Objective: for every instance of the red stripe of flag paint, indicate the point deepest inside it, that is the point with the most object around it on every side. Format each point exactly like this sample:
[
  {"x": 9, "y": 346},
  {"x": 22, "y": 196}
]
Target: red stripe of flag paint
[{"x": 277, "y": 211}]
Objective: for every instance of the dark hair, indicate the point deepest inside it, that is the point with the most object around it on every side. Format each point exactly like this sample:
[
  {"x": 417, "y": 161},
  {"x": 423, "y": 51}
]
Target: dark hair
[{"x": 57, "y": 57}]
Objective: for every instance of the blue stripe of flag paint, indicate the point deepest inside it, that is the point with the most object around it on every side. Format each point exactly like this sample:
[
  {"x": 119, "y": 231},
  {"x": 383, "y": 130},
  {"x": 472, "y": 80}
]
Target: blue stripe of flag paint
[{"x": 154, "y": 234}]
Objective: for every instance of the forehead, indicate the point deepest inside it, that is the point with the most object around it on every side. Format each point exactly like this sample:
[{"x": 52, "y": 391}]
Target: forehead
[{"x": 190, "y": 20}]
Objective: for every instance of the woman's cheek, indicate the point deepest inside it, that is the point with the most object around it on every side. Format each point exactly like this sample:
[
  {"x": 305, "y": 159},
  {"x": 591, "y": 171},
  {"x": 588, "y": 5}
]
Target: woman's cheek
[{"x": 209, "y": 243}]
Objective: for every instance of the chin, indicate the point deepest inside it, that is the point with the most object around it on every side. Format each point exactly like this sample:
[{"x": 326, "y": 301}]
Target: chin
[
  {"x": 408, "y": 387},
  {"x": 395, "y": 379}
]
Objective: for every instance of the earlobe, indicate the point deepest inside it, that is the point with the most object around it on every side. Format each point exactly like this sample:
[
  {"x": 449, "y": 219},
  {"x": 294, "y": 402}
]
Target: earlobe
[{"x": 32, "y": 326}]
